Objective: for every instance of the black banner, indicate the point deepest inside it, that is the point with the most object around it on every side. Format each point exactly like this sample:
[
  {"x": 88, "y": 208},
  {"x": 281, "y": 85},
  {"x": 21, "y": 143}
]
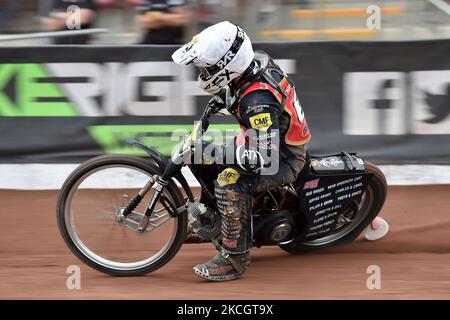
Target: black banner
[
  {"x": 227, "y": 309},
  {"x": 388, "y": 101}
]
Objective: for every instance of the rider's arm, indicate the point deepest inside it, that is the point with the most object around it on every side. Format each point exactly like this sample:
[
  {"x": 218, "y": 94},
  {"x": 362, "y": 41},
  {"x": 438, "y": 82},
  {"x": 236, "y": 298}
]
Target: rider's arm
[
  {"x": 259, "y": 113},
  {"x": 260, "y": 152}
]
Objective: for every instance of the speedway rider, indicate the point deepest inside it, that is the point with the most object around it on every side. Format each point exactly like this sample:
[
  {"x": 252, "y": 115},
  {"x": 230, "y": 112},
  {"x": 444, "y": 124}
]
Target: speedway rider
[{"x": 270, "y": 150}]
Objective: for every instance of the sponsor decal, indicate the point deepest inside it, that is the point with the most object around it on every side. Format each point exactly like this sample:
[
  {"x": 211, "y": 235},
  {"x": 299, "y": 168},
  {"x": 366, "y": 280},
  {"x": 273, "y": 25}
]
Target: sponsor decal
[
  {"x": 230, "y": 243},
  {"x": 326, "y": 204},
  {"x": 261, "y": 121},
  {"x": 263, "y": 136},
  {"x": 312, "y": 184},
  {"x": 256, "y": 109},
  {"x": 250, "y": 155},
  {"x": 227, "y": 58},
  {"x": 250, "y": 158},
  {"x": 267, "y": 145},
  {"x": 227, "y": 176},
  {"x": 331, "y": 162},
  {"x": 298, "y": 108}
]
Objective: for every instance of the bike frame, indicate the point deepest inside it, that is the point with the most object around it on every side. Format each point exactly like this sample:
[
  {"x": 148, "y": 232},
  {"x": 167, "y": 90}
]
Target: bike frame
[
  {"x": 172, "y": 170},
  {"x": 329, "y": 170}
]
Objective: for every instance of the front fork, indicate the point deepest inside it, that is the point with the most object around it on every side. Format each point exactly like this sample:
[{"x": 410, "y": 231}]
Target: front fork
[
  {"x": 160, "y": 185},
  {"x": 161, "y": 182}
]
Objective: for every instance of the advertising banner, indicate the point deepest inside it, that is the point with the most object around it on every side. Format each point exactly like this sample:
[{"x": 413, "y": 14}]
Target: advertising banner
[{"x": 388, "y": 101}]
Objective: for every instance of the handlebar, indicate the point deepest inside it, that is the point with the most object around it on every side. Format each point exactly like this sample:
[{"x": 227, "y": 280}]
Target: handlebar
[
  {"x": 205, "y": 119},
  {"x": 174, "y": 165}
]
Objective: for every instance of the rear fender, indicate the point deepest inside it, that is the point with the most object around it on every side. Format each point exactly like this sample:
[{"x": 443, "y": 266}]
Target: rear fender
[
  {"x": 338, "y": 163},
  {"x": 326, "y": 187}
]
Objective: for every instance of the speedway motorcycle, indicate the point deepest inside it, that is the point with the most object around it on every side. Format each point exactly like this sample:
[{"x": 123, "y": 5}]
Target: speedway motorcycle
[{"x": 128, "y": 215}]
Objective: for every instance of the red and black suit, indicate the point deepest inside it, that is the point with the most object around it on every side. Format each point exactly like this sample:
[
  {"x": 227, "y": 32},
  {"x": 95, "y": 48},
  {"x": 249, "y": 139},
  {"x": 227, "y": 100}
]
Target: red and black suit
[{"x": 269, "y": 151}]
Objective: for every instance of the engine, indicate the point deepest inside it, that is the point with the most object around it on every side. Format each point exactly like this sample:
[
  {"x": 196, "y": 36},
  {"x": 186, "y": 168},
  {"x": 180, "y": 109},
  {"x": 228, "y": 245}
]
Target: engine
[
  {"x": 273, "y": 228},
  {"x": 203, "y": 222},
  {"x": 275, "y": 219}
]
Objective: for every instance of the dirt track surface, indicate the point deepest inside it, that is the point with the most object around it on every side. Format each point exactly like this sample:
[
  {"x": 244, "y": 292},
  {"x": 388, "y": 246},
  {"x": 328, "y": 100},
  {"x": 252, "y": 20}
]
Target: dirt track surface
[{"x": 414, "y": 259}]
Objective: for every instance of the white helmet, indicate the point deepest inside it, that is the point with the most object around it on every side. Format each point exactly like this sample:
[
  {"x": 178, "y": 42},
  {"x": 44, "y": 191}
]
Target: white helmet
[{"x": 222, "y": 52}]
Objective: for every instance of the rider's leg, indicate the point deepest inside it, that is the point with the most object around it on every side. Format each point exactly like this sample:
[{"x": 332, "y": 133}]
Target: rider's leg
[
  {"x": 234, "y": 203},
  {"x": 233, "y": 195},
  {"x": 284, "y": 176},
  {"x": 288, "y": 171},
  {"x": 208, "y": 173}
]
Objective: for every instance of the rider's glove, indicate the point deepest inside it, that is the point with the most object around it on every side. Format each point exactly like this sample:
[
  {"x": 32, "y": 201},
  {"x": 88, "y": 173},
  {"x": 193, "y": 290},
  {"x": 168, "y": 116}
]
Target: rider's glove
[
  {"x": 207, "y": 153},
  {"x": 216, "y": 104}
]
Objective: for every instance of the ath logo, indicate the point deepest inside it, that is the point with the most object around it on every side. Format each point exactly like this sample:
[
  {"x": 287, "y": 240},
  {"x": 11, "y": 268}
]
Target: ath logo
[
  {"x": 251, "y": 158},
  {"x": 224, "y": 61},
  {"x": 250, "y": 154},
  {"x": 397, "y": 103}
]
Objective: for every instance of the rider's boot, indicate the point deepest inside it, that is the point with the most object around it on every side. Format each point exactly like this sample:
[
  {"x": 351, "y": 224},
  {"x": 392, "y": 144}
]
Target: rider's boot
[
  {"x": 204, "y": 224},
  {"x": 234, "y": 257}
]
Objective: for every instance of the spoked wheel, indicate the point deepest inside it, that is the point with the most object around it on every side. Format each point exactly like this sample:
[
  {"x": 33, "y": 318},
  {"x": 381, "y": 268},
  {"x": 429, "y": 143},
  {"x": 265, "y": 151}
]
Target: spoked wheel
[
  {"x": 90, "y": 217},
  {"x": 353, "y": 220}
]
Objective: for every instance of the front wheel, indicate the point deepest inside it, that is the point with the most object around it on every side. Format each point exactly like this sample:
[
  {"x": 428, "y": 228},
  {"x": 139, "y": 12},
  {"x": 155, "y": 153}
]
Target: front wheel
[
  {"x": 353, "y": 220},
  {"x": 89, "y": 217}
]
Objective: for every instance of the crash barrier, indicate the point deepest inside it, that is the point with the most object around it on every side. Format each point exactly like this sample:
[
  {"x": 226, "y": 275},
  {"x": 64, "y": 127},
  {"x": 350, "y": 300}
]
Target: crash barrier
[
  {"x": 388, "y": 101},
  {"x": 307, "y": 34},
  {"x": 49, "y": 35}
]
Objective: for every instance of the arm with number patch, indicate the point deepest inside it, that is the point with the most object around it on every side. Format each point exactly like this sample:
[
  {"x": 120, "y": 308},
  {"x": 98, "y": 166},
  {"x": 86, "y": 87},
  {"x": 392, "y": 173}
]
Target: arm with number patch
[
  {"x": 260, "y": 152},
  {"x": 256, "y": 149}
]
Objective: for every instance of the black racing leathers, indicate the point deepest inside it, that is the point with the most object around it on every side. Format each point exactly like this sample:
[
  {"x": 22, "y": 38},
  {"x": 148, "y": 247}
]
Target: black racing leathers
[
  {"x": 258, "y": 145},
  {"x": 270, "y": 151},
  {"x": 260, "y": 148},
  {"x": 260, "y": 161}
]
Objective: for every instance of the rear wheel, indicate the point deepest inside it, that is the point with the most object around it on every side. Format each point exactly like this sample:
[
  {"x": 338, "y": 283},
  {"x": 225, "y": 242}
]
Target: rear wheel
[
  {"x": 353, "y": 220},
  {"x": 89, "y": 217}
]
